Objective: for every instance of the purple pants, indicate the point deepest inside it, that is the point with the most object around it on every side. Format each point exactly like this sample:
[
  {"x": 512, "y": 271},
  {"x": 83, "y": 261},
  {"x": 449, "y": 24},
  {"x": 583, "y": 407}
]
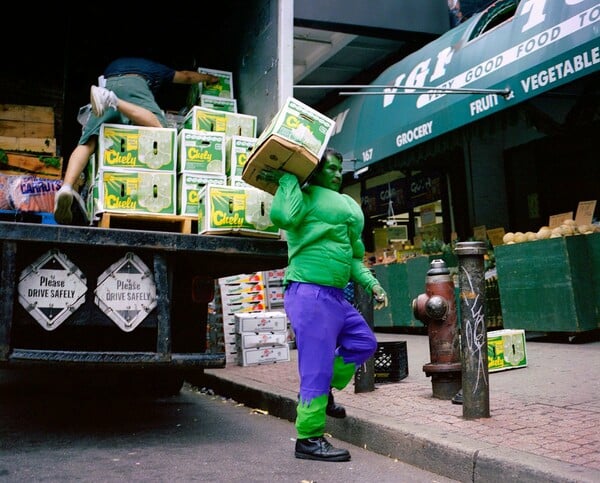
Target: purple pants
[{"x": 325, "y": 325}]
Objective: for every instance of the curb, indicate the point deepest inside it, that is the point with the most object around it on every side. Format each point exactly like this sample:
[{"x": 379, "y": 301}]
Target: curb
[{"x": 461, "y": 459}]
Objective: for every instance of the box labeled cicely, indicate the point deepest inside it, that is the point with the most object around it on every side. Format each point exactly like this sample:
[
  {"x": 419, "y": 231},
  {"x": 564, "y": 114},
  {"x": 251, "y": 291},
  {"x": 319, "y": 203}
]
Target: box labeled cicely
[
  {"x": 238, "y": 152},
  {"x": 128, "y": 191},
  {"x": 218, "y": 103},
  {"x": 228, "y": 209},
  {"x": 223, "y": 88},
  {"x": 189, "y": 185},
  {"x": 294, "y": 141},
  {"x": 231, "y": 123},
  {"x": 202, "y": 151},
  {"x": 506, "y": 349},
  {"x": 136, "y": 147}
]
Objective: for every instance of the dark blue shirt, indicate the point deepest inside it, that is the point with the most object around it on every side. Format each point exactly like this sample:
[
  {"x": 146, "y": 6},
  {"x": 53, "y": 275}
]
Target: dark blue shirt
[{"x": 156, "y": 74}]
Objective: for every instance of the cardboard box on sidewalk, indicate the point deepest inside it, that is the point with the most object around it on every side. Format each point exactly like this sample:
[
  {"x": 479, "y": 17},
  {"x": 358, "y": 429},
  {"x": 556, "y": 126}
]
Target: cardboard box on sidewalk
[
  {"x": 264, "y": 355},
  {"x": 506, "y": 349},
  {"x": 261, "y": 322},
  {"x": 294, "y": 141}
]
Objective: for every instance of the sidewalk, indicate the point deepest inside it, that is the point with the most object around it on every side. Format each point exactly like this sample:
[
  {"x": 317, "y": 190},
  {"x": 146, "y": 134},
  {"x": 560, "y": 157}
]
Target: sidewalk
[{"x": 544, "y": 422}]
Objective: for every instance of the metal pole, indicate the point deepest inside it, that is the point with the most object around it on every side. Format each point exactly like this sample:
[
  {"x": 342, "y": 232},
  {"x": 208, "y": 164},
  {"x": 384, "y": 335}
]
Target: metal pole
[
  {"x": 364, "y": 378},
  {"x": 392, "y": 89},
  {"x": 471, "y": 279}
]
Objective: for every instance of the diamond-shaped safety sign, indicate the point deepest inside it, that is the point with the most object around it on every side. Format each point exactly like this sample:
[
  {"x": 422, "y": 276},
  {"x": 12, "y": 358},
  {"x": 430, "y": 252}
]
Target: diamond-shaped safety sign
[
  {"x": 126, "y": 292},
  {"x": 51, "y": 289}
]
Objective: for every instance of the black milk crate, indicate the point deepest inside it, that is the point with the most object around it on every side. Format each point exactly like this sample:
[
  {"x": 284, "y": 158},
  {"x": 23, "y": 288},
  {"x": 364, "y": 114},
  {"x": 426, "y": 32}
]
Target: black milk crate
[{"x": 390, "y": 361}]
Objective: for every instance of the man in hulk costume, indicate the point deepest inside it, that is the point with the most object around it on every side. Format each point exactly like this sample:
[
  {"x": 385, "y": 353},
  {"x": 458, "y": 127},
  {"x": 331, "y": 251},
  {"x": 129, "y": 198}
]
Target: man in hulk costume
[{"x": 325, "y": 252}]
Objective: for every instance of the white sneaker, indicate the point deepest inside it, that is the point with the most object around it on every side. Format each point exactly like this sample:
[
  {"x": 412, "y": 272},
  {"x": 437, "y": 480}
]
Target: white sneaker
[
  {"x": 63, "y": 199},
  {"x": 101, "y": 99}
]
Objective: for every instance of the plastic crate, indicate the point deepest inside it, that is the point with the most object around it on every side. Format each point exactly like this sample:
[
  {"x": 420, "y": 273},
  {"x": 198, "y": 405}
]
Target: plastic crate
[
  {"x": 390, "y": 362},
  {"x": 28, "y": 216}
]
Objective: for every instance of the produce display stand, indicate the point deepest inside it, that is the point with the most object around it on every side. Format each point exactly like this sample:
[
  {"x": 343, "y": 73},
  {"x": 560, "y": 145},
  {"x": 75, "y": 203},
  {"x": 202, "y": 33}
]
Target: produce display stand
[
  {"x": 402, "y": 282},
  {"x": 550, "y": 285}
]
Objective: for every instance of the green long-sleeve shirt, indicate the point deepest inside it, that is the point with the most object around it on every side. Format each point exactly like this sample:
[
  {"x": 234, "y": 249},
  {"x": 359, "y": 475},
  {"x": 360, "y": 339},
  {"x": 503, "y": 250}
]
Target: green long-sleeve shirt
[{"x": 323, "y": 229}]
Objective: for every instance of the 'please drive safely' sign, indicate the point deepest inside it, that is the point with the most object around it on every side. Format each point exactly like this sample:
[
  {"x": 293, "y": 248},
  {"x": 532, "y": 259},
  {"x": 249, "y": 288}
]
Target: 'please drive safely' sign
[
  {"x": 51, "y": 289},
  {"x": 126, "y": 292}
]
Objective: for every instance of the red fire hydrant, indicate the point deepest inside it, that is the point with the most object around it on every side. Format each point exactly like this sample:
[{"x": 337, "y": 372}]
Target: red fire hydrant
[{"x": 436, "y": 308}]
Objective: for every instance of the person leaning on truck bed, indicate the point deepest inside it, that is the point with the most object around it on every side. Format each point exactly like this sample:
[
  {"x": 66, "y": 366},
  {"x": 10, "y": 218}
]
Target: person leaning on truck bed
[
  {"x": 128, "y": 98},
  {"x": 325, "y": 251}
]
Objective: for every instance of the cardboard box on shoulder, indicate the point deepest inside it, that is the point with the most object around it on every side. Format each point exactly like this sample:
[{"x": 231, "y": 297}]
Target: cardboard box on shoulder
[{"x": 294, "y": 141}]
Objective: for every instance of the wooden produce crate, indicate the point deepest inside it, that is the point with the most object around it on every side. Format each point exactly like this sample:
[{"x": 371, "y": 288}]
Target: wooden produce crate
[
  {"x": 547, "y": 285},
  {"x": 45, "y": 146},
  {"x": 26, "y": 121},
  {"x": 27, "y": 164},
  {"x": 403, "y": 282}
]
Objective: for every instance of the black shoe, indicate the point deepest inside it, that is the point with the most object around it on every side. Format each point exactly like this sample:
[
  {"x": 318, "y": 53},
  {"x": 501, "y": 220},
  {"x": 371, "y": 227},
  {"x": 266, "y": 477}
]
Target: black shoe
[
  {"x": 319, "y": 449},
  {"x": 334, "y": 410},
  {"x": 458, "y": 398}
]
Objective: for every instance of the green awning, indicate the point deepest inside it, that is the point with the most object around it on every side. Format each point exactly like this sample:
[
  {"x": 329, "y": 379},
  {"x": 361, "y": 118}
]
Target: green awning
[{"x": 528, "y": 47}]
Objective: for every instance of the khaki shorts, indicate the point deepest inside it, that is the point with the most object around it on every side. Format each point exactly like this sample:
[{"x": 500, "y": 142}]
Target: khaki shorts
[{"x": 131, "y": 88}]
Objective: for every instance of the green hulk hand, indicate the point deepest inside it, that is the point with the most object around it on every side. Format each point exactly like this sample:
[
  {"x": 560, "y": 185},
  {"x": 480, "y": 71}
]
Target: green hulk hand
[
  {"x": 269, "y": 175},
  {"x": 381, "y": 298}
]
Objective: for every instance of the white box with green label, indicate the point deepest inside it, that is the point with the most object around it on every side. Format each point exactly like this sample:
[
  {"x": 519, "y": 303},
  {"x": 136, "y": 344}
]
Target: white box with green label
[
  {"x": 235, "y": 210},
  {"x": 137, "y": 147},
  {"x": 231, "y": 123},
  {"x": 189, "y": 185},
  {"x": 237, "y": 154},
  {"x": 137, "y": 191},
  {"x": 201, "y": 151},
  {"x": 506, "y": 349},
  {"x": 218, "y": 103},
  {"x": 294, "y": 141},
  {"x": 224, "y": 88}
]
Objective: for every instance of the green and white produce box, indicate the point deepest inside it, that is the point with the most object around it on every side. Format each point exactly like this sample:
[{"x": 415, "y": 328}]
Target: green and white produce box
[
  {"x": 231, "y": 123},
  {"x": 302, "y": 125},
  {"x": 218, "y": 103},
  {"x": 224, "y": 88},
  {"x": 506, "y": 349},
  {"x": 130, "y": 191},
  {"x": 137, "y": 147},
  {"x": 294, "y": 141},
  {"x": 238, "y": 152},
  {"x": 233, "y": 210},
  {"x": 188, "y": 190},
  {"x": 202, "y": 151}
]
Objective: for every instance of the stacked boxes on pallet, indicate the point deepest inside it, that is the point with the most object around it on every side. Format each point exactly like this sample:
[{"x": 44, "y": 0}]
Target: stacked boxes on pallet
[
  {"x": 214, "y": 143},
  {"x": 136, "y": 169},
  {"x": 202, "y": 161},
  {"x": 261, "y": 338}
]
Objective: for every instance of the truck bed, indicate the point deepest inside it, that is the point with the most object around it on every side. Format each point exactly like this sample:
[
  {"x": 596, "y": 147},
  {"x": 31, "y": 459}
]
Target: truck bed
[{"x": 173, "y": 334}]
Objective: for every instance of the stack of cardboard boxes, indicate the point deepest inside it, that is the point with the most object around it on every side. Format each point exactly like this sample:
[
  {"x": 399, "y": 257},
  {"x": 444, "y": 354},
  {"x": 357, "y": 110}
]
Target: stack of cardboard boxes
[
  {"x": 249, "y": 322},
  {"x": 136, "y": 171},
  {"x": 262, "y": 338},
  {"x": 236, "y": 294},
  {"x": 192, "y": 170}
]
